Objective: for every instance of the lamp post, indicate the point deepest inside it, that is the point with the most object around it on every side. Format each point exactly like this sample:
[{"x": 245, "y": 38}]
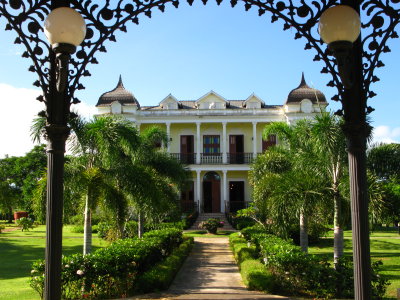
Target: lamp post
[
  {"x": 65, "y": 29},
  {"x": 339, "y": 27}
]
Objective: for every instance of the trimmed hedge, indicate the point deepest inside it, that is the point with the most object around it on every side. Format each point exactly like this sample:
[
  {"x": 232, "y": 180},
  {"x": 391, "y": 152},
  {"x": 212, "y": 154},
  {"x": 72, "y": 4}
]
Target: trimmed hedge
[
  {"x": 298, "y": 273},
  {"x": 161, "y": 275},
  {"x": 254, "y": 274},
  {"x": 112, "y": 271}
]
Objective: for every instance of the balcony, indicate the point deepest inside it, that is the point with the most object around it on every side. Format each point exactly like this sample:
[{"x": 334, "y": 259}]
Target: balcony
[
  {"x": 240, "y": 158},
  {"x": 185, "y": 158},
  {"x": 213, "y": 158}
]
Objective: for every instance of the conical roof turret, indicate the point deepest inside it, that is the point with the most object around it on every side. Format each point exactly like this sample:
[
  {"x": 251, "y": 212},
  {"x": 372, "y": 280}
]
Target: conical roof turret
[
  {"x": 303, "y": 91},
  {"x": 120, "y": 94}
]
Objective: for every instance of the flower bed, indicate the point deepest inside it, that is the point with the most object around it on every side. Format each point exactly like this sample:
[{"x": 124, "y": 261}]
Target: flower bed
[{"x": 112, "y": 271}]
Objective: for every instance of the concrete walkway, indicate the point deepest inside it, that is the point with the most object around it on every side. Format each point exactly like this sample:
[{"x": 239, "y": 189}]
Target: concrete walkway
[{"x": 209, "y": 272}]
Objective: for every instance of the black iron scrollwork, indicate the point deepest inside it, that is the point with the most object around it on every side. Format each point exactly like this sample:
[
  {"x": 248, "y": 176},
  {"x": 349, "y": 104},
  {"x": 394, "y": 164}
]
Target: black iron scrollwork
[{"x": 105, "y": 18}]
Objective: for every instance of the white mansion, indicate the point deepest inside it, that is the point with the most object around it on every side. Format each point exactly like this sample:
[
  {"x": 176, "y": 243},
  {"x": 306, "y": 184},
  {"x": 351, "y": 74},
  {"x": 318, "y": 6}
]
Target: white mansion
[{"x": 216, "y": 137}]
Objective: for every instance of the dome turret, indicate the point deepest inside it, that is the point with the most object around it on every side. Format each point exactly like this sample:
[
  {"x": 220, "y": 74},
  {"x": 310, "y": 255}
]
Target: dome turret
[
  {"x": 119, "y": 94},
  {"x": 303, "y": 91}
]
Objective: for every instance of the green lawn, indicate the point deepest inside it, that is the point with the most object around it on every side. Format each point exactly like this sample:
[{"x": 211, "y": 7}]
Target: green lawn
[
  {"x": 18, "y": 251},
  {"x": 385, "y": 246}
]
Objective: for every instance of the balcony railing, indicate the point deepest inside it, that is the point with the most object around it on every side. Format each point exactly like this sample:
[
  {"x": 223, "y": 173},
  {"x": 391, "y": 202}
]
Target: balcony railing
[
  {"x": 240, "y": 158},
  {"x": 211, "y": 158},
  {"x": 185, "y": 158},
  {"x": 234, "y": 206}
]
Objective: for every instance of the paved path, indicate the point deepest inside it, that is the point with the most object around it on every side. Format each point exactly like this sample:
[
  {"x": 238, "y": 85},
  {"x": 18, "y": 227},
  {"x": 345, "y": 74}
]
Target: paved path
[{"x": 209, "y": 272}]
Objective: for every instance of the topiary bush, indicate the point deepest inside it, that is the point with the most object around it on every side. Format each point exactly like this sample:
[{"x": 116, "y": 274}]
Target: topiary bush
[{"x": 112, "y": 271}]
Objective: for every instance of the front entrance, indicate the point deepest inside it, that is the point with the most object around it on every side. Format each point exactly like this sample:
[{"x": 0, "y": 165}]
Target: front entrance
[
  {"x": 212, "y": 193},
  {"x": 236, "y": 196}
]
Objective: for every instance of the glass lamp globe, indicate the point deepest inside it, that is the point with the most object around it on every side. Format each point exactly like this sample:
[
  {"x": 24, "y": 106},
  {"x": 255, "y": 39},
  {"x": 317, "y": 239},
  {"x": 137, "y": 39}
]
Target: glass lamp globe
[
  {"x": 339, "y": 23},
  {"x": 65, "y": 25}
]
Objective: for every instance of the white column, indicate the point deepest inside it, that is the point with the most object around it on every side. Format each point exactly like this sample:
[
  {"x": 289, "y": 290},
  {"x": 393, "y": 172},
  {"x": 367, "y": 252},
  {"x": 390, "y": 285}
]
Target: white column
[
  {"x": 198, "y": 144},
  {"x": 168, "y": 137},
  {"x": 224, "y": 189},
  {"x": 138, "y": 127},
  {"x": 224, "y": 142},
  {"x": 198, "y": 190},
  {"x": 254, "y": 139}
]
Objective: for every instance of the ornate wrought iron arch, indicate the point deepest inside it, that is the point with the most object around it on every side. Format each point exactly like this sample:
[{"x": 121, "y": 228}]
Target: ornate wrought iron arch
[{"x": 104, "y": 18}]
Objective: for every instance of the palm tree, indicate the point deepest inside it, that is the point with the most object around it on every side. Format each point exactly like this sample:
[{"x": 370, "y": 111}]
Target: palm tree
[
  {"x": 299, "y": 184},
  {"x": 96, "y": 145},
  {"x": 330, "y": 145}
]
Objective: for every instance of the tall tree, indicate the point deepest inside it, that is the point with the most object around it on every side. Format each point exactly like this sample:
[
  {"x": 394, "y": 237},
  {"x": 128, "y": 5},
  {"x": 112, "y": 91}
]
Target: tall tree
[
  {"x": 330, "y": 145},
  {"x": 297, "y": 139}
]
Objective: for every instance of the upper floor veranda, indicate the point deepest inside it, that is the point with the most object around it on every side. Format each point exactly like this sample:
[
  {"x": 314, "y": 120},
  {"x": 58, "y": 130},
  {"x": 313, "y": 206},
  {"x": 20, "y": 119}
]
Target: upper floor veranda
[{"x": 212, "y": 130}]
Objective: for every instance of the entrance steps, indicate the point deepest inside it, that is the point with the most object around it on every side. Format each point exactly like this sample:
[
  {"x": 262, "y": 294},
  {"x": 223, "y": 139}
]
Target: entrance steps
[{"x": 205, "y": 216}]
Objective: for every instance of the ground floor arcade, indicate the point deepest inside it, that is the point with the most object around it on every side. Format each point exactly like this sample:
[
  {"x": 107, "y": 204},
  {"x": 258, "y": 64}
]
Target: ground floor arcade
[{"x": 217, "y": 190}]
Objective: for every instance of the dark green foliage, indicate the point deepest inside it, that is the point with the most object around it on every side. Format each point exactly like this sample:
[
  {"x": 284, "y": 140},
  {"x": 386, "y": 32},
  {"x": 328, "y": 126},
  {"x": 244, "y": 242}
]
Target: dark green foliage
[
  {"x": 384, "y": 160},
  {"x": 161, "y": 275},
  {"x": 298, "y": 273},
  {"x": 190, "y": 219},
  {"x": 240, "y": 222},
  {"x": 112, "y": 271},
  {"x": 18, "y": 179},
  {"x": 254, "y": 274}
]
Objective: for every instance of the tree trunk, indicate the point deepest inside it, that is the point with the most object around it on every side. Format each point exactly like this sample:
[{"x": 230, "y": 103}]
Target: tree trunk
[
  {"x": 338, "y": 239},
  {"x": 10, "y": 215},
  {"x": 303, "y": 232},
  {"x": 87, "y": 229},
  {"x": 140, "y": 225}
]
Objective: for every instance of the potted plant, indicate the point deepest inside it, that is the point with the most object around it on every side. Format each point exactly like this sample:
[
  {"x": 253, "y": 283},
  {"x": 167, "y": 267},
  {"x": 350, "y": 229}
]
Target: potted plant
[{"x": 211, "y": 225}]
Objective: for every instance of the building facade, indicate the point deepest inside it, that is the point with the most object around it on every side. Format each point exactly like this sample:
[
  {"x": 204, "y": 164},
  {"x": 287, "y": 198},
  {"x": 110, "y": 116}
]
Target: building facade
[{"x": 216, "y": 137}]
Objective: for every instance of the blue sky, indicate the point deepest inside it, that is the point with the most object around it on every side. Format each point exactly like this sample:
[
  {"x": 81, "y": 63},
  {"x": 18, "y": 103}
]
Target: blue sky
[{"x": 188, "y": 52}]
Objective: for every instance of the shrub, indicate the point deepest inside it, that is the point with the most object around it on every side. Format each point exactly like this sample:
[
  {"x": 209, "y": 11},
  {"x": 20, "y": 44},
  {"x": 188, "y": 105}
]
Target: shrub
[
  {"x": 161, "y": 275},
  {"x": 254, "y": 274},
  {"x": 240, "y": 222},
  {"x": 112, "y": 271},
  {"x": 25, "y": 223},
  {"x": 102, "y": 229},
  {"x": 297, "y": 272},
  {"x": 77, "y": 229},
  {"x": 190, "y": 219},
  {"x": 2, "y": 227}
]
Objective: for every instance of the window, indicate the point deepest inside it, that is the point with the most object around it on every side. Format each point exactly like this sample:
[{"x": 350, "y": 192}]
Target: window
[
  {"x": 269, "y": 143},
  {"x": 211, "y": 144}
]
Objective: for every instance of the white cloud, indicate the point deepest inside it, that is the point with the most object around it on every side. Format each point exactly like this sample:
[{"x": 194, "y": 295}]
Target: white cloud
[
  {"x": 18, "y": 108},
  {"x": 386, "y": 134}
]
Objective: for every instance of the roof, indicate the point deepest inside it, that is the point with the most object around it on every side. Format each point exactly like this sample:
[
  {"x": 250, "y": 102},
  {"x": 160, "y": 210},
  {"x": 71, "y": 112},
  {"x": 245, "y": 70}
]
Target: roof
[
  {"x": 120, "y": 94},
  {"x": 303, "y": 91}
]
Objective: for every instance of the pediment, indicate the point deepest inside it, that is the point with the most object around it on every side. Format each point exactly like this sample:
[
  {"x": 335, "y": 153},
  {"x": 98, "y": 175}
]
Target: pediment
[
  {"x": 211, "y": 97},
  {"x": 253, "y": 101},
  {"x": 169, "y": 102},
  {"x": 211, "y": 100}
]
